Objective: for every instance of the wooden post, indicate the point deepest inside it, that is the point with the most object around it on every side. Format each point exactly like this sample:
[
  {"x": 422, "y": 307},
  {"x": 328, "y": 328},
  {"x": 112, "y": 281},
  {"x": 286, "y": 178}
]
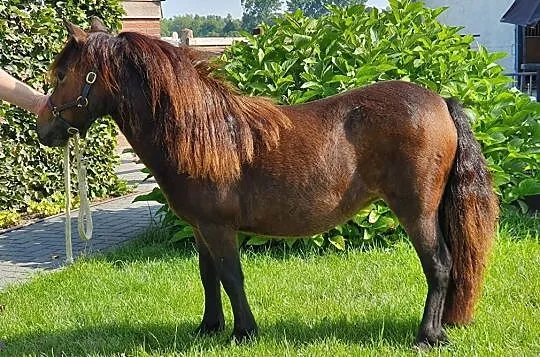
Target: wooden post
[{"x": 185, "y": 35}]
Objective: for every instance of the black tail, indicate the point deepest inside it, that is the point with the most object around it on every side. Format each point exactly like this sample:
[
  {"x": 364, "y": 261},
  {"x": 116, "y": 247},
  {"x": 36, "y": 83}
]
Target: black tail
[{"x": 469, "y": 213}]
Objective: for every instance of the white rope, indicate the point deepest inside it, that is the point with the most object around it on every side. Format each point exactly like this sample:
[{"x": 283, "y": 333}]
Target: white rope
[
  {"x": 85, "y": 224},
  {"x": 84, "y": 219},
  {"x": 67, "y": 186}
]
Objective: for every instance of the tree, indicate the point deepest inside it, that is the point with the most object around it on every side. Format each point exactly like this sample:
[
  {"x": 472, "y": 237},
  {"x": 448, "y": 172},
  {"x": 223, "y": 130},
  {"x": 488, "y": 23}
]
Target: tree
[
  {"x": 232, "y": 26},
  {"x": 202, "y": 26},
  {"x": 257, "y": 11},
  {"x": 316, "y": 8}
]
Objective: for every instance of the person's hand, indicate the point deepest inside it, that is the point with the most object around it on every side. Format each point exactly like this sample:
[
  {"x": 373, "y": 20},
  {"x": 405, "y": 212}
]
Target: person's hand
[{"x": 40, "y": 104}]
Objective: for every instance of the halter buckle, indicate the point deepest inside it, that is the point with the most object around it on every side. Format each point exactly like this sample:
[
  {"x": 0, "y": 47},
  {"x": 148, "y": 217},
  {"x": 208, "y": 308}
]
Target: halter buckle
[
  {"x": 82, "y": 102},
  {"x": 91, "y": 77}
]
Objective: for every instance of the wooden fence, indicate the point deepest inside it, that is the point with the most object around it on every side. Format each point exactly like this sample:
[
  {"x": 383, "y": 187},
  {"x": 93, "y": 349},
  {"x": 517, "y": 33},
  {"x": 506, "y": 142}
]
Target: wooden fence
[{"x": 213, "y": 45}]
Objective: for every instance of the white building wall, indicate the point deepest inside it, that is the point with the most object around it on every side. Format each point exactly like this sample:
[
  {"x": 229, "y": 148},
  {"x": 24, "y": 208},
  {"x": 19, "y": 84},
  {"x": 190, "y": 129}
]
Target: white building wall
[{"x": 482, "y": 17}]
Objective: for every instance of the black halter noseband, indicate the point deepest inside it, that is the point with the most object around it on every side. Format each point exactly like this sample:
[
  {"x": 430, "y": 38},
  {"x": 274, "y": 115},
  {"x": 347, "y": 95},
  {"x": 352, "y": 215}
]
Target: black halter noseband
[{"x": 80, "y": 102}]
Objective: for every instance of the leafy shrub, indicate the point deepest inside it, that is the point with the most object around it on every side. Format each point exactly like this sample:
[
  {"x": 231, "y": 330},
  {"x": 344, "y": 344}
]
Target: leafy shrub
[
  {"x": 51, "y": 205},
  {"x": 9, "y": 218},
  {"x": 30, "y": 36},
  {"x": 301, "y": 59}
]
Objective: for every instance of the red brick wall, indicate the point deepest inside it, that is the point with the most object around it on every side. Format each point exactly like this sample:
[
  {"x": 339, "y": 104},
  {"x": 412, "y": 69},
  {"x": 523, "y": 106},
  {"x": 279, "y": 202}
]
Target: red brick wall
[{"x": 146, "y": 26}]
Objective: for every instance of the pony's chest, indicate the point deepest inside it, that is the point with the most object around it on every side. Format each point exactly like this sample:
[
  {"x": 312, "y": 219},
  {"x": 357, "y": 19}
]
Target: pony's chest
[{"x": 199, "y": 202}]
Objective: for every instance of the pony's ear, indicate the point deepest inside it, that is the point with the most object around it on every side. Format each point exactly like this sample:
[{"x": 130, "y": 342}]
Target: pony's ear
[
  {"x": 96, "y": 25},
  {"x": 75, "y": 32}
]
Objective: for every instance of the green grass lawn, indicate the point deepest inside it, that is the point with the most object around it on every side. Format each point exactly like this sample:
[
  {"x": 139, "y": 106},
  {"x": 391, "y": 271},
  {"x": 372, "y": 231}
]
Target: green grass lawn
[{"x": 146, "y": 299}]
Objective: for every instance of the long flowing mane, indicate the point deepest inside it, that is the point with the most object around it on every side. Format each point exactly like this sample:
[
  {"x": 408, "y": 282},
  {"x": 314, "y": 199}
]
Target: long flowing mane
[{"x": 207, "y": 129}]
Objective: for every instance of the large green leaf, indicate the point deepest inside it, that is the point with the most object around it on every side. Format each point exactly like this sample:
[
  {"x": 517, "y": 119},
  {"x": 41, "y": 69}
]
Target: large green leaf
[{"x": 338, "y": 241}]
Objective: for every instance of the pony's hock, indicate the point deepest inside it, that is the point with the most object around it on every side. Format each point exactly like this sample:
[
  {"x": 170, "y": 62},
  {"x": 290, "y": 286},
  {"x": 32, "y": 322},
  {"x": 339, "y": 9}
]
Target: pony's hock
[{"x": 289, "y": 170}]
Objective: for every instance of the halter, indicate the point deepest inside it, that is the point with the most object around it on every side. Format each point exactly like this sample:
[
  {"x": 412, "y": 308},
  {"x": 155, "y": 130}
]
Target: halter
[{"x": 80, "y": 102}]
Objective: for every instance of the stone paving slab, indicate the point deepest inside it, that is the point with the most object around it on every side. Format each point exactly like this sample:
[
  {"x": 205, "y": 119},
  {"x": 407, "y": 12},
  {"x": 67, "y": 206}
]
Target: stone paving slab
[{"x": 41, "y": 246}]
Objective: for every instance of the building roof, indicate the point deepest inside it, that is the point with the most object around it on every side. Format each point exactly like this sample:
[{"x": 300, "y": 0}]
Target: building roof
[{"x": 523, "y": 12}]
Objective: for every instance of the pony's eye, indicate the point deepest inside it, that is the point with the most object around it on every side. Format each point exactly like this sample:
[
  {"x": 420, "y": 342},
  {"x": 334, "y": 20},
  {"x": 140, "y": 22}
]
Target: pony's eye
[{"x": 61, "y": 76}]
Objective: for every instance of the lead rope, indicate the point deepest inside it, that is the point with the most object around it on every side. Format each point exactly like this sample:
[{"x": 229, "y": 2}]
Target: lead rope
[{"x": 84, "y": 219}]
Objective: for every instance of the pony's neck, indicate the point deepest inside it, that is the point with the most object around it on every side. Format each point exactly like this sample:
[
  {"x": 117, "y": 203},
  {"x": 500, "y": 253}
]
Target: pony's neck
[
  {"x": 194, "y": 122},
  {"x": 151, "y": 155}
]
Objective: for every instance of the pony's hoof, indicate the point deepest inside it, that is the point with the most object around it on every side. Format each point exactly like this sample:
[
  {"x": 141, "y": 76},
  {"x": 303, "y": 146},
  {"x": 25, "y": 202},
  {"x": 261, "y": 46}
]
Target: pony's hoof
[
  {"x": 425, "y": 341},
  {"x": 209, "y": 329},
  {"x": 244, "y": 335}
]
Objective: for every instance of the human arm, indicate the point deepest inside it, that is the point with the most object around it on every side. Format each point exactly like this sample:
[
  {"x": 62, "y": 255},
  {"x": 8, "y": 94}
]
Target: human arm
[{"x": 20, "y": 94}]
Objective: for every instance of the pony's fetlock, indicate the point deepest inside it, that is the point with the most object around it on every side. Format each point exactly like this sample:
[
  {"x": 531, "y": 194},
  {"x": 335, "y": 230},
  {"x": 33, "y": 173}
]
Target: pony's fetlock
[
  {"x": 431, "y": 338},
  {"x": 206, "y": 328},
  {"x": 244, "y": 335}
]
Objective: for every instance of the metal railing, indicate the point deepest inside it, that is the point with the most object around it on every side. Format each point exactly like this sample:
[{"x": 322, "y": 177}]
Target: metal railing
[{"x": 523, "y": 81}]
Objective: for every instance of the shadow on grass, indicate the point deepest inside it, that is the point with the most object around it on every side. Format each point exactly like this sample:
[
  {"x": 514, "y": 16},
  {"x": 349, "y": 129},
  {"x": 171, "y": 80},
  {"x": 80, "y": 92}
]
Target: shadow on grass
[
  {"x": 155, "y": 244},
  {"x": 167, "y": 338}
]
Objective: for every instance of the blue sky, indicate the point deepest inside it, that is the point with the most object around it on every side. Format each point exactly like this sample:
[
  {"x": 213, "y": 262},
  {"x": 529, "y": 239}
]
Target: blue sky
[{"x": 218, "y": 7}]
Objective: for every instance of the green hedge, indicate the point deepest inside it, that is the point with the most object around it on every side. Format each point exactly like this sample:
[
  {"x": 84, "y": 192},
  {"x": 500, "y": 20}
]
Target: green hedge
[
  {"x": 30, "y": 36},
  {"x": 301, "y": 59}
]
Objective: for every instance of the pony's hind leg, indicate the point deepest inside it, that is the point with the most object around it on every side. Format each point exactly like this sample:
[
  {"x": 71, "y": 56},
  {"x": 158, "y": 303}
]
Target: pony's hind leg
[
  {"x": 213, "y": 320},
  {"x": 422, "y": 225},
  {"x": 436, "y": 261},
  {"x": 222, "y": 245}
]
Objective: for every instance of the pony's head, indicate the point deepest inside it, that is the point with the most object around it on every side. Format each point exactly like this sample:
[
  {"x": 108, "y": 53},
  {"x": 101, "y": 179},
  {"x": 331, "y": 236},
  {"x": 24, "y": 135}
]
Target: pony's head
[{"x": 79, "y": 95}]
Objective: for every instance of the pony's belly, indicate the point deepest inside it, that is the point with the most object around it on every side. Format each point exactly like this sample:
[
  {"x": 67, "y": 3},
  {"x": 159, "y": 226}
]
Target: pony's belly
[{"x": 286, "y": 219}]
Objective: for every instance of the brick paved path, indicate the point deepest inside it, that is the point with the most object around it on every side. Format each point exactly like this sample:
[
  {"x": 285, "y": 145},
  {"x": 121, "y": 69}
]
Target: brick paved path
[{"x": 40, "y": 246}]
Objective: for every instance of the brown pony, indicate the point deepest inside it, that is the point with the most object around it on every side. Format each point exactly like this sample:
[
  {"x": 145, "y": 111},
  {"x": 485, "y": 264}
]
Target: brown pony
[{"x": 230, "y": 163}]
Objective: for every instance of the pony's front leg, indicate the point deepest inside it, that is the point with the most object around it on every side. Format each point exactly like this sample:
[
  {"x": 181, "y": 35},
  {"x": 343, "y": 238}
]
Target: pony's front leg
[
  {"x": 222, "y": 245},
  {"x": 213, "y": 320}
]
